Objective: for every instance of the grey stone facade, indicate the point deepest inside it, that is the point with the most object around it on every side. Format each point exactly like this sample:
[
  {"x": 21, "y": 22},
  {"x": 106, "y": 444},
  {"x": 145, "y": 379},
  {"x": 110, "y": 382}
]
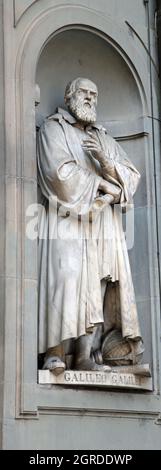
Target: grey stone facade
[{"x": 109, "y": 42}]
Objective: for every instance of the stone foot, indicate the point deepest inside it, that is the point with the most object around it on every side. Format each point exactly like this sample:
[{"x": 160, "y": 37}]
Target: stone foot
[{"x": 55, "y": 365}]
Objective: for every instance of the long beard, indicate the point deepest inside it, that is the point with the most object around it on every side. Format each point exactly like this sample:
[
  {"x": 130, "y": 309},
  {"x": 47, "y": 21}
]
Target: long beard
[{"x": 83, "y": 112}]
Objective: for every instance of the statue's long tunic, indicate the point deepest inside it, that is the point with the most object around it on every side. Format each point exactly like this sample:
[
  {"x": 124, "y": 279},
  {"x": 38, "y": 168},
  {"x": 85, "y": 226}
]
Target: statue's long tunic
[{"x": 75, "y": 255}]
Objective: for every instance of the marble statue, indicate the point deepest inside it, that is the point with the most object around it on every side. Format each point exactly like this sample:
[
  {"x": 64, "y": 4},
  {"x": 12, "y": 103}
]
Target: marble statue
[{"x": 87, "y": 312}]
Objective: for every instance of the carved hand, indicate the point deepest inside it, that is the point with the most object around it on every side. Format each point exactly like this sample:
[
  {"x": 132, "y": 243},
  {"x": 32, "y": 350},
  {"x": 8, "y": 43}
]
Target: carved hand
[
  {"x": 92, "y": 144},
  {"x": 111, "y": 189}
]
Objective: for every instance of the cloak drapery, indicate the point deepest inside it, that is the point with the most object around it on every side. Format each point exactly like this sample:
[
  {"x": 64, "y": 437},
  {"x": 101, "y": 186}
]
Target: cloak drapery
[{"x": 72, "y": 262}]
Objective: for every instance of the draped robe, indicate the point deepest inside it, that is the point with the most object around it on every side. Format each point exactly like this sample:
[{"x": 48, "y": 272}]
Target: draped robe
[{"x": 72, "y": 262}]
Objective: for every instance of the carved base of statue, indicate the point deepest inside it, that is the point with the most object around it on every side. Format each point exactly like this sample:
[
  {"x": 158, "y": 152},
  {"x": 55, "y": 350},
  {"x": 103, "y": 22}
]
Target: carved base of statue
[
  {"x": 125, "y": 377},
  {"x": 94, "y": 352},
  {"x": 100, "y": 360}
]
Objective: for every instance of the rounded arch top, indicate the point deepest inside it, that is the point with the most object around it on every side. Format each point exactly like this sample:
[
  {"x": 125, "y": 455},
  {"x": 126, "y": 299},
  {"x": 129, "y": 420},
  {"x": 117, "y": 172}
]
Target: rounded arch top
[
  {"x": 76, "y": 52},
  {"x": 57, "y": 19}
]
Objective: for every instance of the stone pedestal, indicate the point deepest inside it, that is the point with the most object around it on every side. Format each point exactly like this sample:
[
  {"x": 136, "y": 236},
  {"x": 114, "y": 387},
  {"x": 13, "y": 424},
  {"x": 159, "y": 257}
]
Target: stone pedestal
[{"x": 106, "y": 380}]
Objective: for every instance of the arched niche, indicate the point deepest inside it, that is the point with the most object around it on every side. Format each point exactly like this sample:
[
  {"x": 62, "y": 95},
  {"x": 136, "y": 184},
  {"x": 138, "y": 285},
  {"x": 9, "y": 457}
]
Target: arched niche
[
  {"x": 132, "y": 68},
  {"x": 79, "y": 50},
  {"x": 76, "y": 52}
]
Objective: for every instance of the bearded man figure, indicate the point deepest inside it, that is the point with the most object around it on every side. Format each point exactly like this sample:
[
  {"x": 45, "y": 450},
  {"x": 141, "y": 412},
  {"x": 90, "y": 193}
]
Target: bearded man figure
[{"x": 85, "y": 284}]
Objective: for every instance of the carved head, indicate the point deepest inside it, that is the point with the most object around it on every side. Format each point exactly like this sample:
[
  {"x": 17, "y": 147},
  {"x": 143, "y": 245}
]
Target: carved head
[{"x": 81, "y": 98}]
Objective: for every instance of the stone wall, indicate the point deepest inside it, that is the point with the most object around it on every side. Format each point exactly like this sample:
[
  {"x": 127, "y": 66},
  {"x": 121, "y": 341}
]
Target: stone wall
[
  {"x": 46, "y": 416},
  {"x": 2, "y": 218}
]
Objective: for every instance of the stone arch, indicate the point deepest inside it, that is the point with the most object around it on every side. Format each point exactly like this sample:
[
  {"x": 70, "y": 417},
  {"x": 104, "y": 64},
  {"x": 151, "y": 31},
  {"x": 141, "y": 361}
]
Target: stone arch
[
  {"x": 47, "y": 25},
  {"x": 76, "y": 51}
]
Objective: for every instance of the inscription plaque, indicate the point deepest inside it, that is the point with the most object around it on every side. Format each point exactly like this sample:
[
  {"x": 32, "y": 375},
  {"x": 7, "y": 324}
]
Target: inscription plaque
[{"x": 96, "y": 379}]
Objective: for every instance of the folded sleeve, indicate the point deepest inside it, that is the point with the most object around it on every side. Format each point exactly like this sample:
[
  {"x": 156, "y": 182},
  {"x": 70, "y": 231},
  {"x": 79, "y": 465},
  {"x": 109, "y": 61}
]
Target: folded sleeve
[{"x": 120, "y": 170}]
